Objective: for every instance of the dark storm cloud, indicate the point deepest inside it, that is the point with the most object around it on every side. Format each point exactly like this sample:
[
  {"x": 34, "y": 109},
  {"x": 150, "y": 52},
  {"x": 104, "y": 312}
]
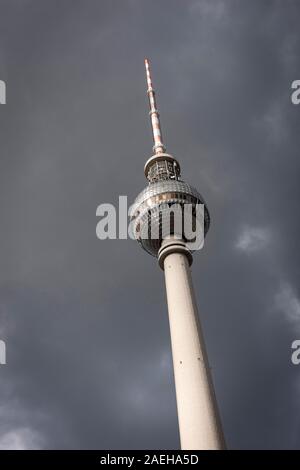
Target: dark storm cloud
[{"x": 85, "y": 321}]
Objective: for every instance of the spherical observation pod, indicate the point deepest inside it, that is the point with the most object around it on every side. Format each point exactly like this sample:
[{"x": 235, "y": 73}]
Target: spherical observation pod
[{"x": 154, "y": 205}]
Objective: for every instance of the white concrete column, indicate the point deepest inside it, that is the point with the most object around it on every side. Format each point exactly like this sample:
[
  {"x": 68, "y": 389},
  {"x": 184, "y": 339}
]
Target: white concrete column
[{"x": 199, "y": 423}]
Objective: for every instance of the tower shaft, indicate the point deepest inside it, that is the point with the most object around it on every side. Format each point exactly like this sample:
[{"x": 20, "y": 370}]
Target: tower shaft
[{"x": 199, "y": 423}]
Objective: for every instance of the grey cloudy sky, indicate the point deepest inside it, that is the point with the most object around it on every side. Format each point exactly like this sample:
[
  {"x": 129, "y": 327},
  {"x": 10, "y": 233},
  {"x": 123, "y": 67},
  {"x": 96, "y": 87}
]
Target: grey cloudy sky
[{"x": 85, "y": 321}]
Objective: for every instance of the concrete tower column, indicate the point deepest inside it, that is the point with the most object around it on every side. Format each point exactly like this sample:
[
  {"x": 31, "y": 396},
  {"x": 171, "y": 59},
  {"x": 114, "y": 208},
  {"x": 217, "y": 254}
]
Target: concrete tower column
[{"x": 199, "y": 423}]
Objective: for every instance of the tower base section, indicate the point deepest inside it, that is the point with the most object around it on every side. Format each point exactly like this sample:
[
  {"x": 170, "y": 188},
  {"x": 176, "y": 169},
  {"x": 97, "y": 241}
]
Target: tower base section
[{"x": 199, "y": 423}]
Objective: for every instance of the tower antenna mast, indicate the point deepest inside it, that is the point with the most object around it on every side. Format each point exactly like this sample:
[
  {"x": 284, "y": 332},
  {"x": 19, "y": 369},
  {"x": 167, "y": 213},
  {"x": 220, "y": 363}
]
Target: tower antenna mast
[{"x": 154, "y": 115}]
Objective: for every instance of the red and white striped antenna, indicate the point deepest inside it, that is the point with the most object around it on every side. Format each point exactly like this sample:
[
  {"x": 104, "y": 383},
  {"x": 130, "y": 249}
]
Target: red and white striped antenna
[{"x": 154, "y": 115}]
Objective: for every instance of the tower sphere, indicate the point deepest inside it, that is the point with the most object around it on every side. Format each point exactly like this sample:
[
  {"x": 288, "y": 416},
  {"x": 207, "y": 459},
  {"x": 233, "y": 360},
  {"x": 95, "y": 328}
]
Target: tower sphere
[{"x": 165, "y": 195}]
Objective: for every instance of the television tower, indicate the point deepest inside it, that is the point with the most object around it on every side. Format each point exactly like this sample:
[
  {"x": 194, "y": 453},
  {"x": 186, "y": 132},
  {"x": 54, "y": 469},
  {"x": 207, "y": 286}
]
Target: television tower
[{"x": 199, "y": 423}]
